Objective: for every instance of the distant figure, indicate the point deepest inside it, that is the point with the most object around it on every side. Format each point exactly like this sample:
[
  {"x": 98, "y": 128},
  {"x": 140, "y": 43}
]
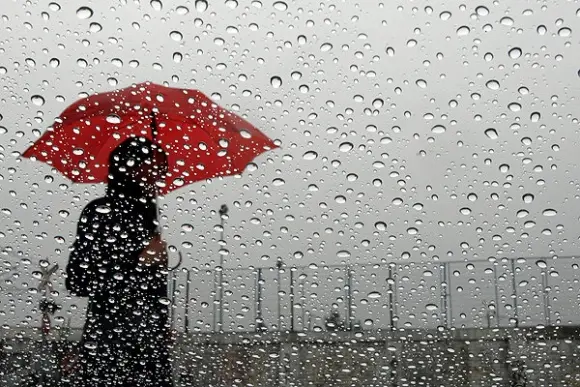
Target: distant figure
[{"x": 119, "y": 262}]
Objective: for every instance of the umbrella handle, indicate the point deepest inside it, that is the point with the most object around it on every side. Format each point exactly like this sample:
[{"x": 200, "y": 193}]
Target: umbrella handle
[{"x": 178, "y": 263}]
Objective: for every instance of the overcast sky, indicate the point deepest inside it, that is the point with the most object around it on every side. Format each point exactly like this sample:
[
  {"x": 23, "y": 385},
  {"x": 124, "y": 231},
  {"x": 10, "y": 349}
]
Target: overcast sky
[{"x": 409, "y": 131}]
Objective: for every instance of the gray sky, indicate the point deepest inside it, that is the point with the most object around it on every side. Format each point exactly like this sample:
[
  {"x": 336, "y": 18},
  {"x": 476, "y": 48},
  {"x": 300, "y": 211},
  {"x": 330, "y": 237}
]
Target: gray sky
[{"x": 394, "y": 98}]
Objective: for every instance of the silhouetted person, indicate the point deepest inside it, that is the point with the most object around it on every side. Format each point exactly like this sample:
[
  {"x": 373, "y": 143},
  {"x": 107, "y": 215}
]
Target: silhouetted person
[{"x": 119, "y": 262}]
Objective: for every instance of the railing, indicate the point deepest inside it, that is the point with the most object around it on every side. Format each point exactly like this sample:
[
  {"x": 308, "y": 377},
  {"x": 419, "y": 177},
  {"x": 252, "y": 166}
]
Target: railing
[{"x": 483, "y": 293}]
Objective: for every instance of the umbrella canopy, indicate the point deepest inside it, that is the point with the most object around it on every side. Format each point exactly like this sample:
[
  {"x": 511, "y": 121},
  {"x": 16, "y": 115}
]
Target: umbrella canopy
[{"x": 202, "y": 139}]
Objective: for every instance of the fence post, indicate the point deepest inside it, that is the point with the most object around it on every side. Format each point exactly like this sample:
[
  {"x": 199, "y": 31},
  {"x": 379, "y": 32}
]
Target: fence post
[
  {"x": 187, "y": 289},
  {"x": 496, "y": 289},
  {"x": 292, "y": 298},
  {"x": 515, "y": 293},
  {"x": 259, "y": 320},
  {"x": 391, "y": 282},
  {"x": 349, "y": 317}
]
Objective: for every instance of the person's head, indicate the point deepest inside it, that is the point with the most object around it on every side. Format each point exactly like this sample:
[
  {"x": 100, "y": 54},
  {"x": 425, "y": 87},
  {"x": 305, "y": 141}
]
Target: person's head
[{"x": 135, "y": 166}]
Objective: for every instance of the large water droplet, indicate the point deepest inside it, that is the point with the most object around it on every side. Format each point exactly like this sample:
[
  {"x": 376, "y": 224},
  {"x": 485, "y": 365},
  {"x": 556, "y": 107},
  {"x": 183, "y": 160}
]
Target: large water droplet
[
  {"x": 381, "y": 226},
  {"x": 310, "y": 155},
  {"x": 276, "y": 81},
  {"x": 515, "y": 53},
  {"x": 528, "y": 198},
  {"x": 515, "y": 107},
  {"x": 280, "y": 6},
  {"x": 181, "y": 10},
  {"x": 431, "y": 307},
  {"x": 84, "y": 13},
  {"x": 438, "y": 129},
  {"x": 491, "y": 133},
  {"x": 200, "y": 5},
  {"x": 564, "y": 32},
  {"x": 504, "y": 168},
  {"x": 176, "y": 36},
  {"x": 482, "y": 11},
  {"x": 343, "y": 254},
  {"x": 549, "y": 212},
  {"x": 492, "y": 84},
  {"x": 507, "y": 21},
  {"x": 463, "y": 31},
  {"x": 37, "y": 100},
  {"x": 541, "y": 264},
  {"x": 465, "y": 211},
  {"x": 346, "y": 146},
  {"x": 157, "y": 5},
  {"x": 325, "y": 47}
]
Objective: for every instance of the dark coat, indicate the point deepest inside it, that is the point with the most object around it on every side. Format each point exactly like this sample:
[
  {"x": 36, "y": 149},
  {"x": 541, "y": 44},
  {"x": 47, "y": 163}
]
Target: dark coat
[{"x": 126, "y": 335}]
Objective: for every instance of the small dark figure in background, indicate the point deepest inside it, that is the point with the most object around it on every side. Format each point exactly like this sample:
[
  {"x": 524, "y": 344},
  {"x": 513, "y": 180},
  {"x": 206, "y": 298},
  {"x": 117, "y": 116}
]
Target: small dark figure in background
[{"x": 119, "y": 262}]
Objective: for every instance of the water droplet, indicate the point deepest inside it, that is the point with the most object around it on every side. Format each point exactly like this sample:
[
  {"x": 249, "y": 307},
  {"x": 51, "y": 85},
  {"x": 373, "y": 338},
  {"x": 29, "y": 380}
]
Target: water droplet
[
  {"x": 541, "y": 264},
  {"x": 374, "y": 295},
  {"x": 378, "y": 103},
  {"x": 472, "y": 197},
  {"x": 113, "y": 119},
  {"x": 390, "y": 51},
  {"x": 412, "y": 231},
  {"x": 64, "y": 213},
  {"x": 463, "y": 31},
  {"x": 277, "y": 182},
  {"x": 445, "y": 15},
  {"x": 325, "y": 47},
  {"x": 187, "y": 227},
  {"x": 528, "y": 198},
  {"x": 491, "y": 133},
  {"x": 310, "y": 155},
  {"x": 541, "y": 30},
  {"x": 381, "y": 226},
  {"x": 515, "y": 53},
  {"x": 176, "y": 36},
  {"x": 482, "y": 11},
  {"x": 200, "y": 5},
  {"x": 431, "y": 307},
  {"x": 37, "y": 100},
  {"x": 549, "y": 212},
  {"x": 504, "y": 168},
  {"x": 465, "y": 211},
  {"x": 95, "y": 27},
  {"x": 535, "y": 116},
  {"x": 276, "y": 82},
  {"x": 565, "y": 32},
  {"x": 232, "y": 4},
  {"x": 280, "y": 6},
  {"x": 523, "y": 283},
  {"x": 343, "y": 254},
  {"x": 421, "y": 83},
  {"x": 515, "y": 107},
  {"x": 181, "y": 10},
  {"x": 157, "y": 5},
  {"x": 54, "y": 7},
  {"x": 103, "y": 209},
  {"x": 346, "y": 146},
  {"x": 84, "y": 13},
  {"x": 507, "y": 21},
  {"x": 492, "y": 84},
  {"x": 438, "y": 129},
  {"x": 522, "y": 214}
]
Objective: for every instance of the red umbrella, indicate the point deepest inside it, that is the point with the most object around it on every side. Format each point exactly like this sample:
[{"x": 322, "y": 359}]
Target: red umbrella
[{"x": 202, "y": 139}]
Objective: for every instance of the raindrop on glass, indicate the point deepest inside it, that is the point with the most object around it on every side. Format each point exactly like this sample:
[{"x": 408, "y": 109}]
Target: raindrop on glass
[
  {"x": 84, "y": 13},
  {"x": 491, "y": 133}
]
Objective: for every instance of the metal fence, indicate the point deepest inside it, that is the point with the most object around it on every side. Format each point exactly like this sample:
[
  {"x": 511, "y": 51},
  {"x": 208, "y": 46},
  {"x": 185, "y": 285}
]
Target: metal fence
[{"x": 484, "y": 293}]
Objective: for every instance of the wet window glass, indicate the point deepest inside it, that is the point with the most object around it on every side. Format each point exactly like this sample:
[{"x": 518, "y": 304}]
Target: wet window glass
[{"x": 278, "y": 193}]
